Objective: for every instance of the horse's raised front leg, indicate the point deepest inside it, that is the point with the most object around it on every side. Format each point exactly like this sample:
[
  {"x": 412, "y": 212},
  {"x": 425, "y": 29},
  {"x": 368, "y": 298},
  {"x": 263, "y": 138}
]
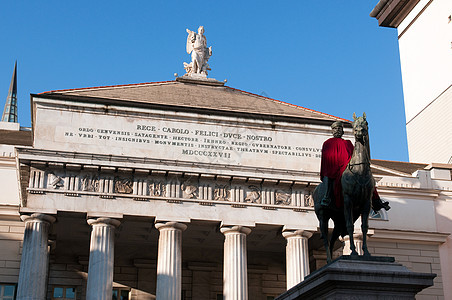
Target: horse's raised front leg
[{"x": 348, "y": 213}]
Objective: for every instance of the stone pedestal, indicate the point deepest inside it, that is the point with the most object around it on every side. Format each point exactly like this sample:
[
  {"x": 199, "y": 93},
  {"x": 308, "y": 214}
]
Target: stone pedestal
[
  {"x": 35, "y": 257},
  {"x": 169, "y": 261},
  {"x": 235, "y": 274},
  {"x": 350, "y": 277},
  {"x": 101, "y": 259},
  {"x": 297, "y": 256}
]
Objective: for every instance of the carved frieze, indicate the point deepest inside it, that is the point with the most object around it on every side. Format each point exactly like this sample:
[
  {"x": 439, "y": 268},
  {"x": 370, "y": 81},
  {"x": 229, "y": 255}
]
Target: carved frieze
[
  {"x": 90, "y": 183},
  {"x": 175, "y": 188},
  {"x": 308, "y": 200},
  {"x": 282, "y": 197},
  {"x": 36, "y": 179},
  {"x": 157, "y": 188},
  {"x": 190, "y": 190},
  {"x": 55, "y": 181},
  {"x": 254, "y": 194},
  {"x": 123, "y": 185},
  {"x": 222, "y": 192}
]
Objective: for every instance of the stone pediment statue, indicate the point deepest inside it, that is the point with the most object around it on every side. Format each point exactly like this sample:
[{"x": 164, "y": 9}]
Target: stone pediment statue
[{"x": 200, "y": 54}]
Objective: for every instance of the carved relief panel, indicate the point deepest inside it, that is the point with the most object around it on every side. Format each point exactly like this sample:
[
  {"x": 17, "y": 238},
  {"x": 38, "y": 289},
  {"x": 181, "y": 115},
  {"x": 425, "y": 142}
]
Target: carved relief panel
[{"x": 176, "y": 185}]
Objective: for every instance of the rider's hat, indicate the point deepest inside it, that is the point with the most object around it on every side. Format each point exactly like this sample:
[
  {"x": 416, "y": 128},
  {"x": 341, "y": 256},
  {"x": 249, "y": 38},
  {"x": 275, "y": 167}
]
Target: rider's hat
[{"x": 337, "y": 124}]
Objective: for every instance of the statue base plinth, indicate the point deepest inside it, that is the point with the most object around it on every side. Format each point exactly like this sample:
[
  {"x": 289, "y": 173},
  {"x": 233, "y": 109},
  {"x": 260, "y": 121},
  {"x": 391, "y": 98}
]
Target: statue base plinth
[
  {"x": 358, "y": 277},
  {"x": 199, "y": 79}
]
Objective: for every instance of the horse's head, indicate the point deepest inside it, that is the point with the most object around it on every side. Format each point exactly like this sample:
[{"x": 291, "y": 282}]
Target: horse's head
[{"x": 360, "y": 128}]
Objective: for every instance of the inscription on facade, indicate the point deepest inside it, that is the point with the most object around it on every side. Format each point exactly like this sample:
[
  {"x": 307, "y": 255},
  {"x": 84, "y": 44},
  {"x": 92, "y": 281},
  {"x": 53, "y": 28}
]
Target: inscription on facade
[
  {"x": 196, "y": 142},
  {"x": 183, "y": 139}
]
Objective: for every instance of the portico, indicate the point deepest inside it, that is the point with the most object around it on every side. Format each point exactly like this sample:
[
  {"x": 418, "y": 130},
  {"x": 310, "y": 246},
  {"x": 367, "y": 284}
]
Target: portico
[
  {"x": 170, "y": 202},
  {"x": 141, "y": 249}
]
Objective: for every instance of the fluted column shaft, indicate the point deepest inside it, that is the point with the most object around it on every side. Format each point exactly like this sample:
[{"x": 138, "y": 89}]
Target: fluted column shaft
[
  {"x": 235, "y": 272},
  {"x": 101, "y": 259},
  {"x": 35, "y": 257},
  {"x": 297, "y": 256},
  {"x": 169, "y": 260}
]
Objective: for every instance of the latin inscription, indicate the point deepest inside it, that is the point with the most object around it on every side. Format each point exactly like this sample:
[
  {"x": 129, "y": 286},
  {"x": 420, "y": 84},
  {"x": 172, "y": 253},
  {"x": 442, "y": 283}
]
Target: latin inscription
[{"x": 187, "y": 142}]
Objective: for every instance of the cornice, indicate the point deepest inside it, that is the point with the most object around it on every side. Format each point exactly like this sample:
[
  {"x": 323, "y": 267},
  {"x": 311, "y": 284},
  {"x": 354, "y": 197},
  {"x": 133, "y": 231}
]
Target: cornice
[
  {"x": 9, "y": 211},
  {"x": 187, "y": 109},
  {"x": 390, "y": 13},
  {"x": 408, "y": 192},
  {"x": 421, "y": 237}
]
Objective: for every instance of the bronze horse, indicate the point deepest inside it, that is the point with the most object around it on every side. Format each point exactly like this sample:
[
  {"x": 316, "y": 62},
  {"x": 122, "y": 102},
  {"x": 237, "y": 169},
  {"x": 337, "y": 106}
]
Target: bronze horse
[{"x": 357, "y": 189}]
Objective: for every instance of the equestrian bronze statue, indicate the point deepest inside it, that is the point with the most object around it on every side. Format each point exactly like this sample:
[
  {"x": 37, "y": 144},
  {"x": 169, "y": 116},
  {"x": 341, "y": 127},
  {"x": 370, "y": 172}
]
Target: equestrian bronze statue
[{"x": 348, "y": 189}]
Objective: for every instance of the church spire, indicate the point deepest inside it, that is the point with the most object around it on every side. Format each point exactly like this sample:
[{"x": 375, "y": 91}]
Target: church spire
[{"x": 10, "y": 111}]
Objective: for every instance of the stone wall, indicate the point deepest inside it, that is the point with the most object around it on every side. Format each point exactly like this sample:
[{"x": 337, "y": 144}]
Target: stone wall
[
  {"x": 11, "y": 235},
  {"x": 196, "y": 284},
  {"x": 437, "y": 147},
  {"x": 67, "y": 274},
  {"x": 422, "y": 258},
  {"x": 208, "y": 285}
]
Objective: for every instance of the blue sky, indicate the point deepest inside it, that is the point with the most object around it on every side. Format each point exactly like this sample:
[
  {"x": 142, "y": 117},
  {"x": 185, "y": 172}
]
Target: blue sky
[{"x": 328, "y": 56}]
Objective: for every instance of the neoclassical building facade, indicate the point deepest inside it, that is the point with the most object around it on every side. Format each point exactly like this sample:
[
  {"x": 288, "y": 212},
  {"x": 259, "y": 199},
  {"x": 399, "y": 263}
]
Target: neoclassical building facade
[{"x": 187, "y": 189}]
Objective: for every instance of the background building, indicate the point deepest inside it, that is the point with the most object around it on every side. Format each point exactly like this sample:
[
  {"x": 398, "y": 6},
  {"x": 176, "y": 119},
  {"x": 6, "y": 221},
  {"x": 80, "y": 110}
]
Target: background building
[
  {"x": 11, "y": 228},
  {"x": 425, "y": 45}
]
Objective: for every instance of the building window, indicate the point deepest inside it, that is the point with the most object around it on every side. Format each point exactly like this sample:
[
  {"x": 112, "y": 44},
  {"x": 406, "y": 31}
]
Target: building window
[
  {"x": 63, "y": 292},
  {"x": 121, "y": 294},
  {"x": 270, "y": 298},
  {"x": 7, "y": 291}
]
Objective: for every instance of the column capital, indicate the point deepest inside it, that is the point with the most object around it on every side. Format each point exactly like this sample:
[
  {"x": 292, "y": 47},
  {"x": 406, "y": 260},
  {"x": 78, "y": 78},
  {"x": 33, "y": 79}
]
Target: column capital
[
  {"x": 38, "y": 217},
  {"x": 174, "y": 225},
  {"x": 235, "y": 228},
  {"x": 288, "y": 233},
  {"x": 104, "y": 221}
]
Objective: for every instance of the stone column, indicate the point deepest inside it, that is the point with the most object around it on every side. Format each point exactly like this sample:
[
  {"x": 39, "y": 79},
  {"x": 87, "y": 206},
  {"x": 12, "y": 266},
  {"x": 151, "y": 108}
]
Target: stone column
[
  {"x": 358, "y": 238},
  {"x": 169, "y": 260},
  {"x": 34, "y": 263},
  {"x": 235, "y": 274},
  {"x": 101, "y": 259},
  {"x": 297, "y": 256}
]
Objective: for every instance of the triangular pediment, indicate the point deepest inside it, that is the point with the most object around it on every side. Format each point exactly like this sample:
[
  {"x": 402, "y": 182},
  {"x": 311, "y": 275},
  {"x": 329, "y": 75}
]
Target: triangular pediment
[{"x": 197, "y": 96}]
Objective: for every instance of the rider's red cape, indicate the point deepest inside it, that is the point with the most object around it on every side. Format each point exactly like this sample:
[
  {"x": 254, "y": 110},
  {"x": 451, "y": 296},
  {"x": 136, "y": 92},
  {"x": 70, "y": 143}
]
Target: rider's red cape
[{"x": 336, "y": 153}]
